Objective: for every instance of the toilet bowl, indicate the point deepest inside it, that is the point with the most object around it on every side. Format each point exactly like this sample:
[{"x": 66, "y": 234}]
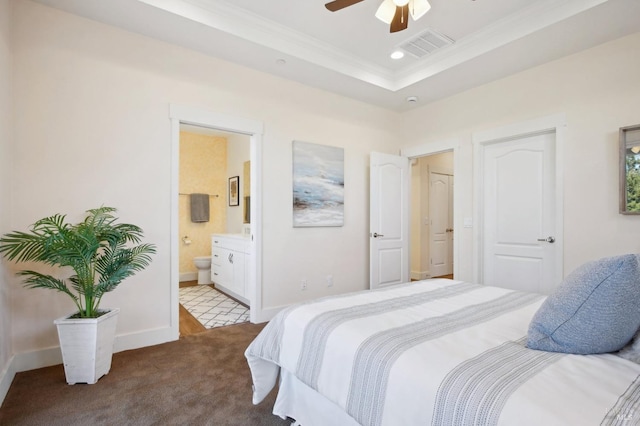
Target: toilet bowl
[{"x": 203, "y": 263}]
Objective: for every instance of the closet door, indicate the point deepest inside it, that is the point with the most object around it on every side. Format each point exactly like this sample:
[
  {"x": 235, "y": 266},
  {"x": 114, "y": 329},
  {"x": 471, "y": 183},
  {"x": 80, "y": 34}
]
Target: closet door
[{"x": 441, "y": 224}]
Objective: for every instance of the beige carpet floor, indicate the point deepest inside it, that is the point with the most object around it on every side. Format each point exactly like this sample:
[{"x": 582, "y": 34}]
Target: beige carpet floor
[{"x": 202, "y": 379}]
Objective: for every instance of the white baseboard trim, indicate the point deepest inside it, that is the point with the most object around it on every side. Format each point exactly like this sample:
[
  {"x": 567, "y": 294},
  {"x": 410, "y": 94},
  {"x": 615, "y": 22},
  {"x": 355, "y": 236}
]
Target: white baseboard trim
[
  {"x": 31, "y": 360},
  {"x": 420, "y": 275},
  {"x": 6, "y": 378},
  {"x": 142, "y": 339},
  {"x": 264, "y": 315},
  {"x": 188, "y": 276}
]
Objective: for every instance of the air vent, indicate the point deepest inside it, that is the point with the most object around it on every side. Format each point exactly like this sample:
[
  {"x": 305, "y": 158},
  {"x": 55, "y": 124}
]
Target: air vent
[{"x": 425, "y": 44}]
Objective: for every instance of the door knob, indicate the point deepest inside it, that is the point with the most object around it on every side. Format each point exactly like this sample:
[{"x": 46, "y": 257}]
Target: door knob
[
  {"x": 547, "y": 240},
  {"x": 376, "y": 235}
]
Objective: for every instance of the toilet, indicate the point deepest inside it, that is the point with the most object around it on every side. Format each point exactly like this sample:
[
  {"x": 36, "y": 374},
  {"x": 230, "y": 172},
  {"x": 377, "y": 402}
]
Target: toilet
[{"x": 203, "y": 263}]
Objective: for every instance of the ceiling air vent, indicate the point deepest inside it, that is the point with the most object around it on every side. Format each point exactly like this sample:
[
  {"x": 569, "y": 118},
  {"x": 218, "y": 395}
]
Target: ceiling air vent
[{"x": 425, "y": 43}]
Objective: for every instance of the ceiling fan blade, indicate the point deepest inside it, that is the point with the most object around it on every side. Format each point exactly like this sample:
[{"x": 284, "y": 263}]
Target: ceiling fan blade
[
  {"x": 340, "y": 4},
  {"x": 401, "y": 19},
  {"x": 419, "y": 8},
  {"x": 386, "y": 11}
]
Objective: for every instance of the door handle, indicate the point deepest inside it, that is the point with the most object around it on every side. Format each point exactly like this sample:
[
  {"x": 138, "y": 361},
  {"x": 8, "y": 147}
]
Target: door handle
[
  {"x": 376, "y": 235},
  {"x": 547, "y": 240}
]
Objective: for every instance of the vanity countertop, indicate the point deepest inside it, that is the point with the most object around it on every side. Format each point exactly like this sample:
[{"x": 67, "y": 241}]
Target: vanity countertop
[{"x": 238, "y": 236}]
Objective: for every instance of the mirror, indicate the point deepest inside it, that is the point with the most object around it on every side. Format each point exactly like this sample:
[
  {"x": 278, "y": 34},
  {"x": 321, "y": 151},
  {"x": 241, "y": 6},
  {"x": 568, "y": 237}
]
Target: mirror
[
  {"x": 246, "y": 189},
  {"x": 630, "y": 170}
]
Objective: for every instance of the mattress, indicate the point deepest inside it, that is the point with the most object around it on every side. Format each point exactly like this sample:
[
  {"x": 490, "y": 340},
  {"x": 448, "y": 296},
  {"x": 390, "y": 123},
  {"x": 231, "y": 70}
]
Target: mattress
[{"x": 439, "y": 352}]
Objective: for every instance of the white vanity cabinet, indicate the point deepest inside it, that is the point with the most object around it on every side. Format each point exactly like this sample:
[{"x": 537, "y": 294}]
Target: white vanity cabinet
[{"x": 229, "y": 263}]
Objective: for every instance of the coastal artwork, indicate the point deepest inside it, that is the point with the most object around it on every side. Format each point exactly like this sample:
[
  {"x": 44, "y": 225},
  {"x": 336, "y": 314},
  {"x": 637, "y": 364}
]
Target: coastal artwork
[{"x": 318, "y": 185}]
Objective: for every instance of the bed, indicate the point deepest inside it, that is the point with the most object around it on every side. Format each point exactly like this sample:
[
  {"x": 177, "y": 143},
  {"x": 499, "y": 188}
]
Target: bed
[{"x": 439, "y": 352}]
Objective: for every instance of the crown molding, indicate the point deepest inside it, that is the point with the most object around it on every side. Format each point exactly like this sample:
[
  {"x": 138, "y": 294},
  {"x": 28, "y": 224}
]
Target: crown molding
[
  {"x": 249, "y": 26},
  {"x": 539, "y": 15},
  {"x": 254, "y": 28}
]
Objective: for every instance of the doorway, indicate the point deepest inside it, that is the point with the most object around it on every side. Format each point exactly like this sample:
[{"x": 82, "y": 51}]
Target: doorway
[
  {"x": 180, "y": 116},
  {"x": 208, "y": 160},
  {"x": 432, "y": 225}
]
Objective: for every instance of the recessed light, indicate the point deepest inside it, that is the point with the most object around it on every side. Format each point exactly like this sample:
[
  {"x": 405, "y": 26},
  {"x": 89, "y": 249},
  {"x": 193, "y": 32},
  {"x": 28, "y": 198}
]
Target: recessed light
[
  {"x": 412, "y": 99},
  {"x": 281, "y": 61},
  {"x": 397, "y": 54}
]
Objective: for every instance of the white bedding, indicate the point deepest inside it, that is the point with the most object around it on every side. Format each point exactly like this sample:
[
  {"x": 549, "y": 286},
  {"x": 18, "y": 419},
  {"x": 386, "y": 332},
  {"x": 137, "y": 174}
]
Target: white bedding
[{"x": 440, "y": 352}]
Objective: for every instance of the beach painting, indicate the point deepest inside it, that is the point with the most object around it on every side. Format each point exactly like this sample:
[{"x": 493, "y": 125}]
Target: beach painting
[{"x": 318, "y": 185}]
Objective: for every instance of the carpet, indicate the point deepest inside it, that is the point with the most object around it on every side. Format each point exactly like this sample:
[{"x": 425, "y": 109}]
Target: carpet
[{"x": 202, "y": 379}]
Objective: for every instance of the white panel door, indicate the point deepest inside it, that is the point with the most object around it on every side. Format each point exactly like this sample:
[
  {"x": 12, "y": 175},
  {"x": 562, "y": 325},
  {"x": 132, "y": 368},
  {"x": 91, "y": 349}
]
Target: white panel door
[
  {"x": 389, "y": 220},
  {"x": 519, "y": 213},
  {"x": 441, "y": 224}
]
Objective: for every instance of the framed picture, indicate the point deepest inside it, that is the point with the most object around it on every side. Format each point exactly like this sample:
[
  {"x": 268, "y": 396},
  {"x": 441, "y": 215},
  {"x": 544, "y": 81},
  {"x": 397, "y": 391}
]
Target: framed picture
[
  {"x": 318, "y": 185},
  {"x": 234, "y": 191},
  {"x": 629, "y": 141}
]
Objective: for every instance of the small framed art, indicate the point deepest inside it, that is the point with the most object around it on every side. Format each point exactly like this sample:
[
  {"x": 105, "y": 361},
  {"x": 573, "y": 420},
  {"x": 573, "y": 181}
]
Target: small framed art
[{"x": 234, "y": 191}]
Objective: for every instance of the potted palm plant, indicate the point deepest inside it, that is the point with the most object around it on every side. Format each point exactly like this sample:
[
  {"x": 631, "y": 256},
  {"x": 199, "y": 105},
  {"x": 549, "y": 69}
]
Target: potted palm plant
[{"x": 99, "y": 253}]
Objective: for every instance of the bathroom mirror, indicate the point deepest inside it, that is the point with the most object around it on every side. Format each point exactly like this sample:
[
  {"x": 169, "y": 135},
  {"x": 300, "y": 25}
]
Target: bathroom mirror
[
  {"x": 246, "y": 190},
  {"x": 630, "y": 170}
]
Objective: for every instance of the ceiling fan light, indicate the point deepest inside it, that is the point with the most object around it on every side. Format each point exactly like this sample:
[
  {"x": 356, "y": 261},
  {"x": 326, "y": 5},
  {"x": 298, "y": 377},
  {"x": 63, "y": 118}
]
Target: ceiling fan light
[
  {"x": 401, "y": 2},
  {"x": 418, "y": 8},
  {"x": 386, "y": 11}
]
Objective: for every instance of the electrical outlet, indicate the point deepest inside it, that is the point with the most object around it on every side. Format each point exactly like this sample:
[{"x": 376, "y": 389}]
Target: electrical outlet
[
  {"x": 303, "y": 285},
  {"x": 329, "y": 280}
]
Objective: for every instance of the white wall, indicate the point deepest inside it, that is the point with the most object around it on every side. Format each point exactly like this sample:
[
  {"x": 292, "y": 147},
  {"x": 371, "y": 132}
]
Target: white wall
[
  {"x": 92, "y": 127},
  {"x": 5, "y": 188},
  {"x": 598, "y": 90}
]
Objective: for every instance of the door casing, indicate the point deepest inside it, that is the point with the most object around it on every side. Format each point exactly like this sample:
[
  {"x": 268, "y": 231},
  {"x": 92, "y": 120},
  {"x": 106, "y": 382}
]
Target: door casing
[
  {"x": 553, "y": 123},
  {"x": 254, "y": 129}
]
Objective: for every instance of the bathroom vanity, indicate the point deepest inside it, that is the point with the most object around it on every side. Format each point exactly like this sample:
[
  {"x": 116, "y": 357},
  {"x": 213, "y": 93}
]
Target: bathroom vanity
[{"x": 230, "y": 265}]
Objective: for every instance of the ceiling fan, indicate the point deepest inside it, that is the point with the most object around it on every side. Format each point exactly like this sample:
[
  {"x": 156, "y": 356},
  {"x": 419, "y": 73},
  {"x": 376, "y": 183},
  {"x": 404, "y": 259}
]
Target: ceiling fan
[{"x": 393, "y": 12}]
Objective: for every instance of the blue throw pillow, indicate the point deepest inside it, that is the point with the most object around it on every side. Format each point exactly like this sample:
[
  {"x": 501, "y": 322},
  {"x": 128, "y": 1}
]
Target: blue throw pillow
[{"x": 596, "y": 309}]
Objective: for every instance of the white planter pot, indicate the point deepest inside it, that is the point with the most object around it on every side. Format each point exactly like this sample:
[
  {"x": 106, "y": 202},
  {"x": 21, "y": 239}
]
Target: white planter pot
[{"x": 87, "y": 346}]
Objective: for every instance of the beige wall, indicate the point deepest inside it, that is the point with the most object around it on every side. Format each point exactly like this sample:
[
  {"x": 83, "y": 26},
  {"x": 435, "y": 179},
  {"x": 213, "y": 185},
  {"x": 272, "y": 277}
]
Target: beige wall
[
  {"x": 6, "y": 127},
  {"x": 598, "y": 90},
  {"x": 92, "y": 127},
  {"x": 203, "y": 169}
]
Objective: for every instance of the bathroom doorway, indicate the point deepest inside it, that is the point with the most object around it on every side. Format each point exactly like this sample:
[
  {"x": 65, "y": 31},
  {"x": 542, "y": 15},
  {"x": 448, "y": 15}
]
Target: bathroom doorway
[
  {"x": 213, "y": 199},
  {"x": 240, "y": 205}
]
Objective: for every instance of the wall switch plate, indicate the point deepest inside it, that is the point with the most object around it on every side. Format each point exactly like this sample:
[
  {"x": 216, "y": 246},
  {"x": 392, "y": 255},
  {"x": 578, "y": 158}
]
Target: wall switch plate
[{"x": 329, "y": 280}]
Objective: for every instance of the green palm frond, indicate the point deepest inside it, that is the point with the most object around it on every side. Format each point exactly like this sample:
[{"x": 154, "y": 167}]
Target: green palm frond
[
  {"x": 37, "y": 280},
  {"x": 97, "y": 250}
]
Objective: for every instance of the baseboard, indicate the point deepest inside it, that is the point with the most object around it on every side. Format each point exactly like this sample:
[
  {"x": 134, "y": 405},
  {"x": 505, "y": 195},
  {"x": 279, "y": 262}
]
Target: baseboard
[
  {"x": 188, "y": 276},
  {"x": 125, "y": 342},
  {"x": 31, "y": 360},
  {"x": 6, "y": 378},
  {"x": 420, "y": 275},
  {"x": 267, "y": 314}
]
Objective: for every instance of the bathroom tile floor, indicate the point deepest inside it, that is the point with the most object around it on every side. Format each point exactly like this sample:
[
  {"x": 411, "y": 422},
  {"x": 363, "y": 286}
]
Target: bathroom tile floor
[{"x": 211, "y": 307}]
